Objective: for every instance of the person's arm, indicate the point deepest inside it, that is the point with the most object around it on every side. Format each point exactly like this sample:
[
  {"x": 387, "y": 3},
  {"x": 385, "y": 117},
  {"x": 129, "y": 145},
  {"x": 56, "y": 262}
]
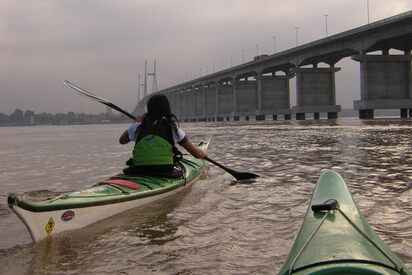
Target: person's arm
[
  {"x": 124, "y": 138},
  {"x": 196, "y": 152}
]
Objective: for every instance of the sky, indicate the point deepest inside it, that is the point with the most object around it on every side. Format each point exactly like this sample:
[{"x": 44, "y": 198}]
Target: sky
[{"x": 102, "y": 45}]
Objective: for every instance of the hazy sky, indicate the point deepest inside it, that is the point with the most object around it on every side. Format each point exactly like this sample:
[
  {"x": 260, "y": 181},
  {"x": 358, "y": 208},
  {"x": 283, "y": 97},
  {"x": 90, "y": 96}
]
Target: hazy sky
[{"x": 101, "y": 45}]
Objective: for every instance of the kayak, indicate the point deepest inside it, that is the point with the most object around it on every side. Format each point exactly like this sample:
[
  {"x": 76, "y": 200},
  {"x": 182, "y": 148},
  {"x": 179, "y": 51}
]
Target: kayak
[
  {"x": 335, "y": 238},
  {"x": 102, "y": 200}
]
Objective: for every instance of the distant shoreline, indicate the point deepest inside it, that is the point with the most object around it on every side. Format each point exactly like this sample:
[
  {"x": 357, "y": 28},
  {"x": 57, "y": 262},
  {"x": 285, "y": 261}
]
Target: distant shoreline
[{"x": 90, "y": 119}]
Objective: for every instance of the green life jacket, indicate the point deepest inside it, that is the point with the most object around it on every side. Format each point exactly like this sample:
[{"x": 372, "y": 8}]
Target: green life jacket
[{"x": 154, "y": 144}]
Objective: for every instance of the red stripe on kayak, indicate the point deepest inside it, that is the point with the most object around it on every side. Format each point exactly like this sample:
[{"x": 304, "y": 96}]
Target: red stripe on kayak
[{"x": 122, "y": 183}]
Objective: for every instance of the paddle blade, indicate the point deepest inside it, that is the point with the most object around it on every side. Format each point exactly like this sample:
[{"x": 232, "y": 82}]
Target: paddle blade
[
  {"x": 245, "y": 176},
  {"x": 237, "y": 175},
  {"x": 94, "y": 97},
  {"x": 82, "y": 92}
]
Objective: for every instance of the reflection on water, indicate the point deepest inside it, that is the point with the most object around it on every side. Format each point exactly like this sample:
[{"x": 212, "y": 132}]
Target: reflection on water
[{"x": 219, "y": 225}]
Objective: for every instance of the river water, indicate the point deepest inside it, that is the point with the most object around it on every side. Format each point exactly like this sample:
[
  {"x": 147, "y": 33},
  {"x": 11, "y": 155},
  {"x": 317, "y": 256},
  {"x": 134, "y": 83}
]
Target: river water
[{"x": 218, "y": 226}]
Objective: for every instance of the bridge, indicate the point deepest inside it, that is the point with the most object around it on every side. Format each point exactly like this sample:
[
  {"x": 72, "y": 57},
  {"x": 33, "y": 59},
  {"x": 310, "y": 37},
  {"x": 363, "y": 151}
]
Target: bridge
[{"x": 261, "y": 87}]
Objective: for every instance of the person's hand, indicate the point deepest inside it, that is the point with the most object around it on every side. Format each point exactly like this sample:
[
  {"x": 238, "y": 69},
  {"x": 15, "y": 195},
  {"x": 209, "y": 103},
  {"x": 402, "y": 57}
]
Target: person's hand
[{"x": 139, "y": 119}]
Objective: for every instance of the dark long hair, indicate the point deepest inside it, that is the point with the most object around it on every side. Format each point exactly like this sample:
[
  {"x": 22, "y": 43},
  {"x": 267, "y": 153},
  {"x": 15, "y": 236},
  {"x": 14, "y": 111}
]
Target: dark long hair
[{"x": 158, "y": 108}]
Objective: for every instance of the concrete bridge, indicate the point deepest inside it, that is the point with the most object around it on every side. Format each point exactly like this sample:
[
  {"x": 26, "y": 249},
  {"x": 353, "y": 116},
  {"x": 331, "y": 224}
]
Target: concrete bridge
[{"x": 261, "y": 87}]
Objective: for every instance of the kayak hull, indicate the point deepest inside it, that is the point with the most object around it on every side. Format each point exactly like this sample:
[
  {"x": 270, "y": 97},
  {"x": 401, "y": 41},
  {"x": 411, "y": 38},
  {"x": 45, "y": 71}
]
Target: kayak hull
[
  {"x": 335, "y": 238},
  {"x": 103, "y": 200}
]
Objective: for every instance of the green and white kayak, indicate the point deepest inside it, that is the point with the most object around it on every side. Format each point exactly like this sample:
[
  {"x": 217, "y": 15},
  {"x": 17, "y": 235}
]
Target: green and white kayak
[
  {"x": 115, "y": 195},
  {"x": 336, "y": 239}
]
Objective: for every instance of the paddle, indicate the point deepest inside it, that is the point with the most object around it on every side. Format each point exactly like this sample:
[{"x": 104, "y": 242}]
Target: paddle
[
  {"x": 80, "y": 91},
  {"x": 237, "y": 175}
]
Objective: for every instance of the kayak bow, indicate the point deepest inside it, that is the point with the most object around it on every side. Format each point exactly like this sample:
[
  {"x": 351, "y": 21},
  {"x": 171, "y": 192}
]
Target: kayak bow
[
  {"x": 335, "y": 238},
  {"x": 115, "y": 195}
]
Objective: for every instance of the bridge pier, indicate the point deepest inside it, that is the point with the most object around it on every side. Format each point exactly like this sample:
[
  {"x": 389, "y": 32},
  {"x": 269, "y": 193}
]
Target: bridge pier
[
  {"x": 315, "y": 92},
  {"x": 210, "y": 101},
  {"x": 190, "y": 103},
  {"x": 246, "y": 100},
  {"x": 275, "y": 95},
  {"x": 199, "y": 105},
  {"x": 385, "y": 83},
  {"x": 225, "y": 99}
]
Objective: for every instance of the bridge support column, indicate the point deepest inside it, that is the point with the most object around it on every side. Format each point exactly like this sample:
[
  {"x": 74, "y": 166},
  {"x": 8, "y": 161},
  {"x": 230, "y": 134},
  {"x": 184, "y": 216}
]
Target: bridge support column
[
  {"x": 217, "y": 101},
  {"x": 259, "y": 90},
  {"x": 182, "y": 104},
  {"x": 385, "y": 83},
  {"x": 225, "y": 99},
  {"x": 210, "y": 101},
  {"x": 235, "y": 96},
  {"x": 198, "y": 99},
  {"x": 275, "y": 95},
  {"x": 203, "y": 102},
  {"x": 315, "y": 91},
  {"x": 246, "y": 98},
  {"x": 190, "y": 103}
]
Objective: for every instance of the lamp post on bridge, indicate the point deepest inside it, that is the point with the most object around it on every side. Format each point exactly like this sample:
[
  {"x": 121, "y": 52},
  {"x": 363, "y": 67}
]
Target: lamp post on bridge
[
  {"x": 274, "y": 44},
  {"x": 243, "y": 56},
  {"x": 326, "y": 24},
  {"x": 367, "y": 9},
  {"x": 297, "y": 41}
]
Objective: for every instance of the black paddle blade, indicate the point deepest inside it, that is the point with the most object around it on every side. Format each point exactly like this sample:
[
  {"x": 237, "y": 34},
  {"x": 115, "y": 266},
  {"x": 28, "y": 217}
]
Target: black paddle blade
[
  {"x": 237, "y": 175},
  {"x": 245, "y": 176}
]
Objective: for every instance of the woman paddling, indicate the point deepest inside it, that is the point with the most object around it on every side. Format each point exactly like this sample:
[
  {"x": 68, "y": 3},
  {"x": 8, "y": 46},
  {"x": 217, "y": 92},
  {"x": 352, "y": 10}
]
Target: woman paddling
[{"x": 156, "y": 136}]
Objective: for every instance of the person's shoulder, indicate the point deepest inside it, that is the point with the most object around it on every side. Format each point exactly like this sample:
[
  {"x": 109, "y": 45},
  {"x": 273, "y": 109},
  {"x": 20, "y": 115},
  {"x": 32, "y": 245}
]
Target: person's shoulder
[{"x": 135, "y": 125}]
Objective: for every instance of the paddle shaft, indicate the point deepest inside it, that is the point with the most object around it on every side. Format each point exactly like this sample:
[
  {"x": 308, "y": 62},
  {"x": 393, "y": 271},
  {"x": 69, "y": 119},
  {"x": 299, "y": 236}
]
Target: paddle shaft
[{"x": 230, "y": 171}]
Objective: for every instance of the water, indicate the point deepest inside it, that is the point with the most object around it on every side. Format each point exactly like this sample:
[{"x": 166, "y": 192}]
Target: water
[{"x": 218, "y": 226}]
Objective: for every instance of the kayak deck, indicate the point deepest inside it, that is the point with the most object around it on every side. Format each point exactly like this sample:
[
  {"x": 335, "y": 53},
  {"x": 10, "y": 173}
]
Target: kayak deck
[{"x": 336, "y": 239}]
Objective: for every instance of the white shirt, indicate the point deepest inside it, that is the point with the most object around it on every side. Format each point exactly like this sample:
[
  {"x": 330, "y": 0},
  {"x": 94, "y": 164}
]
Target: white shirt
[{"x": 133, "y": 134}]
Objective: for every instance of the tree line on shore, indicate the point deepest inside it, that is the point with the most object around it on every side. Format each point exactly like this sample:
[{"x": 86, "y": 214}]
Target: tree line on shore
[{"x": 29, "y": 117}]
